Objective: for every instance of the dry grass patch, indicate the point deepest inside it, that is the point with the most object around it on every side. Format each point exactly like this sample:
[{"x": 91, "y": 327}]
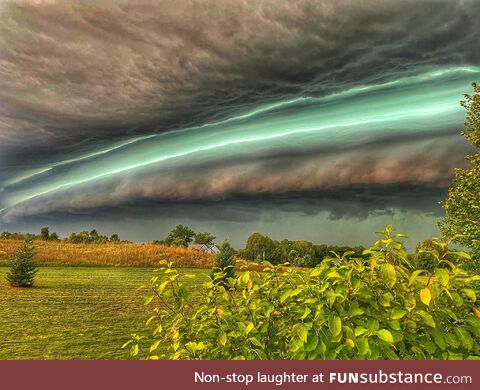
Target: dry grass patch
[{"x": 121, "y": 254}]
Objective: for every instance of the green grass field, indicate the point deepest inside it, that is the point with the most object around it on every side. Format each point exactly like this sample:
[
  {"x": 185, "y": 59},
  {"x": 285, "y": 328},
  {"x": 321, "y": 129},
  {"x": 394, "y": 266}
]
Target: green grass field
[{"x": 73, "y": 313}]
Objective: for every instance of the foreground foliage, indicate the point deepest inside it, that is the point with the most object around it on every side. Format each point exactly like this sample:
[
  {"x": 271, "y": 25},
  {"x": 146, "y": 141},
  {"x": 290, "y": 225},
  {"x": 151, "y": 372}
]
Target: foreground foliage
[
  {"x": 346, "y": 308},
  {"x": 462, "y": 210}
]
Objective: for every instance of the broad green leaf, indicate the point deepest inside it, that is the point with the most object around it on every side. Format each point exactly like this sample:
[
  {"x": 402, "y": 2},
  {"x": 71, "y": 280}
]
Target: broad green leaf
[
  {"x": 413, "y": 276},
  {"x": 155, "y": 345},
  {"x": 355, "y": 310},
  {"x": 306, "y": 313},
  {"x": 248, "y": 328},
  {"x": 463, "y": 255},
  {"x": 373, "y": 324},
  {"x": 245, "y": 277},
  {"x": 455, "y": 356},
  {"x": 385, "y": 335},
  {"x": 255, "y": 341},
  {"x": 457, "y": 299},
  {"x": 134, "y": 350},
  {"x": 360, "y": 330},
  {"x": 385, "y": 299},
  {"x": 335, "y": 325},
  {"x": 363, "y": 346},
  {"x": 470, "y": 294},
  {"x": 285, "y": 295},
  {"x": 312, "y": 342},
  {"x": 395, "y": 324},
  {"x": 222, "y": 340},
  {"x": 427, "y": 318},
  {"x": 389, "y": 274},
  {"x": 439, "y": 338},
  {"x": 442, "y": 276},
  {"x": 333, "y": 274},
  {"x": 147, "y": 299},
  {"x": 397, "y": 313},
  {"x": 162, "y": 286},
  {"x": 464, "y": 337},
  {"x": 449, "y": 313},
  {"x": 315, "y": 272},
  {"x": 302, "y": 333},
  {"x": 452, "y": 340}
]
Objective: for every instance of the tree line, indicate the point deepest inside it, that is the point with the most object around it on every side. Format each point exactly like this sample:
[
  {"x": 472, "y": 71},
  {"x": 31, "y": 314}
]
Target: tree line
[
  {"x": 82, "y": 237},
  {"x": 258, "y": 247}
]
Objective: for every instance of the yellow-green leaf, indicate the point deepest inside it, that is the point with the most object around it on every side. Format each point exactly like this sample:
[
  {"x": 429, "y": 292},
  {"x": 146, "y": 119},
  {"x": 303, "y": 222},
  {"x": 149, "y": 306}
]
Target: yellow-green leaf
[
  {"x": 147, "y": 299},
  {"x": 397, "y": 313},
  {"x": 470, "y": 294},
  {"x": 316, "y": 271},
  {"x": 306, "y": 313},
  {"x": 385, "y": 335},
  {"x": 335, "y": 325},
  {"x": 388, "y": 274},
  {"x": 155, "y": 345},
  {"x": 223, "y": 339},
  {"x": 249, "y": 328}
]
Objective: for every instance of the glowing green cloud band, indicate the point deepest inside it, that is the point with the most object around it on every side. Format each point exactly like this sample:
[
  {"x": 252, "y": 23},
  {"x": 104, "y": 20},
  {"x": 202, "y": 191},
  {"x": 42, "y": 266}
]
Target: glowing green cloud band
[{"x": 416, "y": 104}]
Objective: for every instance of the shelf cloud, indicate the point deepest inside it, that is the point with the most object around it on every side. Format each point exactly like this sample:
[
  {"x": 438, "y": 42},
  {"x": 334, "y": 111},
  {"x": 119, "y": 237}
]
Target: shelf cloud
[{"x": 125, "y": 106}]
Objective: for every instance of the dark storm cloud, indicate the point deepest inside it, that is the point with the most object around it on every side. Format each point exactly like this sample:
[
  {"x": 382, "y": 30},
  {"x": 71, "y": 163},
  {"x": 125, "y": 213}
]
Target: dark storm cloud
[
  {"x": 351, "y": 203},
  {"x": 344, "y": 182},
  {"x": 76, "y": 74}
]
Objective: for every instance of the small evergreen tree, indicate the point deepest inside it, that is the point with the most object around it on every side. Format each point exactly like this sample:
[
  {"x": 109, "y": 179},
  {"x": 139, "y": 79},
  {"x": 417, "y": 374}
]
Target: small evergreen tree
[
  {"x": 224, "y": 264},
  {"x": 23, "y": 269}
]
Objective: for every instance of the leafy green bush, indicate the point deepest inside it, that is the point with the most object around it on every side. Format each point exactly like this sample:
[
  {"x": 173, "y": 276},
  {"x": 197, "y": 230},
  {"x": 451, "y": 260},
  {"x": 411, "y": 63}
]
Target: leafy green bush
[
  {"x": 346, "y": 308},
  {"x": 436, "y": 253},
  {"x": 462, "y": 211}
]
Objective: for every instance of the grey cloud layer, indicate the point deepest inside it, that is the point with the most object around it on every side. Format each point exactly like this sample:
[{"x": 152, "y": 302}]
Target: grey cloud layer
[
  {"x": 421, "y": 163},
  {"x": 77, "y": 74}
]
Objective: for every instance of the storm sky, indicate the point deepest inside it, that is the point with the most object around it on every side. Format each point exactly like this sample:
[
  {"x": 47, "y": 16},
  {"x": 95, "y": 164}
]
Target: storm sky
[{"x": 323, "y": 120}]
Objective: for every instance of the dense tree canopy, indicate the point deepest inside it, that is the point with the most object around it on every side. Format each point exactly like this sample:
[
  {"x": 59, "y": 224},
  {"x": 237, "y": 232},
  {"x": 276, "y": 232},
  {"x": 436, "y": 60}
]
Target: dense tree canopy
[
  {"x": 180, "y": 236},
  {"x": 296, "y": 252},
  {"x": 462, "y": 207},
  {"x": 205, "y": 238}
]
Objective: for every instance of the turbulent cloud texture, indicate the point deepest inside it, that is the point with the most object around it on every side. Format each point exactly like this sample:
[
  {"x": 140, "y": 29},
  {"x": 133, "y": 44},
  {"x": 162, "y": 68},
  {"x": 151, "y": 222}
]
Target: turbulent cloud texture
[{"x": 108, "y": 104}]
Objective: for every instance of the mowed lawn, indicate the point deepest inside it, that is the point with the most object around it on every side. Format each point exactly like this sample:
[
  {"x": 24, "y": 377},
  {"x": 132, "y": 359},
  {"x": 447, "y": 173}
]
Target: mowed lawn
[{"x": 74, "y": 312}]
